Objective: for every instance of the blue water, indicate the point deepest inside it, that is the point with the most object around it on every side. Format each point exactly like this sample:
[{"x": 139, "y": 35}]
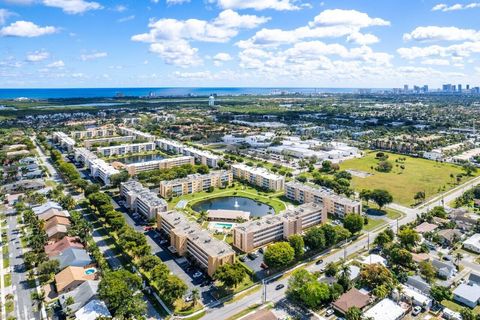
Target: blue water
[
  {"x": 256, "y": 208},
  {"x": 160, "y": 92}
]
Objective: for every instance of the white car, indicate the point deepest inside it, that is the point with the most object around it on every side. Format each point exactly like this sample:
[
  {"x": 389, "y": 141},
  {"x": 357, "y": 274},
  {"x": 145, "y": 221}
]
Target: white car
[
  {"x": 197, "y": 274},
  {"x": 416, "y": 311},
  {"x": 329, "y": 312}
]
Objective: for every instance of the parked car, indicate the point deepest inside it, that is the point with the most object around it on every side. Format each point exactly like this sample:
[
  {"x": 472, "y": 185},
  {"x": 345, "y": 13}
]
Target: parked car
[
  {"x": 197, "y": 274},
  {"x": 329, "y": 312},
  {"x": 416, "y": 310},
  {"x": 260, "y": 250},
  {"x": 279, "y": 286},
  {"x": 242, "y": 258},
  {"x": 163, "y": 241},
  {"x": 319, "y": 261},
  {"x": 148, "y": 228},
  {"x": 263, "y": 265},
  {"x": 252, "y": 255}
]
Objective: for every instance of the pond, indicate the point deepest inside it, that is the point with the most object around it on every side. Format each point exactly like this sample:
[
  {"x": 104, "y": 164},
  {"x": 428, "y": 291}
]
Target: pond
[
  {"x": 256, "y": 208},
  {"x": 139, "y": 158}
]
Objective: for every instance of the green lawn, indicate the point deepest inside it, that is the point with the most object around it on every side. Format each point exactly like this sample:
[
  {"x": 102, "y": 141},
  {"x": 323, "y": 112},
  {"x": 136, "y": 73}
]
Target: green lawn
[
  {"x": 373, "y": 223},
  {"x": 419, "y": 175},
  {"x": 457, "y": 307},
  {"x": 7, "y": 279}
]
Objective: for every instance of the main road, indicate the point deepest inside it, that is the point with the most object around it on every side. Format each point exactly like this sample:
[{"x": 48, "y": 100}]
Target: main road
[{"x": 225, "y": 310}]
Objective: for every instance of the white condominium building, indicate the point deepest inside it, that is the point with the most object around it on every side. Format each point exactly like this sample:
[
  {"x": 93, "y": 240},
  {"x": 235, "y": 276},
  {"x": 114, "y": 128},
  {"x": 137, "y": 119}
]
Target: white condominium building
[
  {"x": 83, "y": 155},
  {"x": 102, "y": 170},
  {"x": 126, "y": 148},
  {"x": 170, "y": 146},
  {"x": 195, "y": 183},
  {"x": 202, "y": 157},
  {"x": 189, "y": 239},
  {"x": 136, "y": 133},
  {"x": 334, "y": 203},
  {"x": 92, "y": 142},
  {"x": 257, "y": 233},
  {"x": 98, "y": 132},
  {"x": 141, "y": 200},
  {"x": 260, "y": 177},
  {"x": 135, "y": 168},
  {"x": 64, "y": 140}
]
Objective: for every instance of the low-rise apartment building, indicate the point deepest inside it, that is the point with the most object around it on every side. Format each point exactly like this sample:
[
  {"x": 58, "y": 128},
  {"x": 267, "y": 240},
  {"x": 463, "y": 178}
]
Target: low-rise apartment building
[
  {"x": 84, "y": 155},
  {"x": 135, "y": 168},
  {"x": 102, "y": 170},
  {"x": 93, "y": 133},
  {"x": 170, "y": 146},
  {"x": 334, "y": 203},
  {"x": 189, "y": 239},
  {"x": 257, "y": 233},
  {"x": 260, "y": 177},
  {"x": 126, "y": 148},
  {"x": 136, "y": 133},
  {"x": 141, "y": 200},
  {"x": 64, "y": 140},
  {"x": 202, "y": 157},
  {"x": 195, "y": 183},
  {"x": 92, "y": 142}
]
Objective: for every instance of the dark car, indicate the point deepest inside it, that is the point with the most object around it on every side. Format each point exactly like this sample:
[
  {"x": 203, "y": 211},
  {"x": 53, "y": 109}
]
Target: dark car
[
  {"x": 279, "y": 286},
  {"x": 319, "y": 261}
]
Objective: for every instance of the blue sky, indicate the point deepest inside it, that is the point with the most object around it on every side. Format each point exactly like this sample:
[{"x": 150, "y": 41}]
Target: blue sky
[{"x": 302, "y": 43}]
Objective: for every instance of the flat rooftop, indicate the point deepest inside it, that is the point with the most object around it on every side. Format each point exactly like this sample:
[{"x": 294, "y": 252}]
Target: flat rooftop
[
  {"x": 322, "y": 192},
  {"x": 258, "y": 171}
]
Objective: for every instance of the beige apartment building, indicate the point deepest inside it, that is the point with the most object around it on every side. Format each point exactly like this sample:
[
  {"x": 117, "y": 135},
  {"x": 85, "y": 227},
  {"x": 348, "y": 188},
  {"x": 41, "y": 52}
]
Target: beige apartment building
[
  {"x": 189, "y": 239},
  {"x": 195, "y": 183},
  {"x": 135, "y": 168},
  {"x": 126, "y": 148},
  {"x": 136, "y": 133},
  {"x": 89, "y": 143},
  {"x": 141, "y": 200},
  {"x": 334, "y": 204},
  {"x": 98, "y": 132},
  {"x": 260, "y": 177},
  {"x": 257, "y": 233}
]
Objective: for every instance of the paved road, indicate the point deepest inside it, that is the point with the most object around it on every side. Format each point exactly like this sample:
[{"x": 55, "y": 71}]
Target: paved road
[{"x": 20, "y": 288}]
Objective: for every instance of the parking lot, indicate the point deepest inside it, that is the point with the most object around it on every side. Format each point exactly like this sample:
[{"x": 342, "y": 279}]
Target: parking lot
[{"x": 254, "y": 261}]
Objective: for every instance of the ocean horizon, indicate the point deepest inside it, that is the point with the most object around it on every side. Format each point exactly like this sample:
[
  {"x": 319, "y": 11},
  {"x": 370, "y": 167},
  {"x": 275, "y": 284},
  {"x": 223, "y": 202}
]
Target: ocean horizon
[{"x": 66, "y": 93}]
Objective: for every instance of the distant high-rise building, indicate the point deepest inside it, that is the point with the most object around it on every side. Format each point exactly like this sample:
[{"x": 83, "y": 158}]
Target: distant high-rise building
[
  {"x": 425, "y": 88},
  {"x": 405, "y": 87},
  {"x": 468, "y": 87},
  {"x": 211, "y": 101},
  {"x": 459, "y": 88},
  {"x": 454, "y": 88}
]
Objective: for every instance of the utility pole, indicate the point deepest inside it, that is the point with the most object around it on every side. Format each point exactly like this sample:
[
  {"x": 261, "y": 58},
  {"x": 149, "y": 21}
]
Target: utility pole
[
  {"x": 397, "y": 225},
  {"x": 369, "y": 241},
  {"x": 264, "y": 292}
]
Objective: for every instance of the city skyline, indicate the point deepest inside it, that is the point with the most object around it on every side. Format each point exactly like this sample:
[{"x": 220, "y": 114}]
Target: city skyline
[{"x": 230, "y": 43}]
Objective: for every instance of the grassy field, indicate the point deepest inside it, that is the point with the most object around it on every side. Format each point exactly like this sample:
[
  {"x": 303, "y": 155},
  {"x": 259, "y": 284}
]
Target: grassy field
[
  {"x": 373, "y": 223},
  {"x": 419, "y": 175},
  {"x": 457, "y": 307}
]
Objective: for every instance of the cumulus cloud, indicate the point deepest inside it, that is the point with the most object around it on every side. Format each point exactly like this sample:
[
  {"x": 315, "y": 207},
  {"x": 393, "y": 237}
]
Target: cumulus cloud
[
  {"x": 436, "y": 62},
  {"x": 26, "y": 29},
  {"x": 165, "y": 32},
  {"x": 93, "y": 56},
  {"x": 455, "y": 7},
  {"x": 220, "y": 58},
  {"x": 362, "y": 38},
  {"x": 435, "y": 33},
  {"x": 464, "y": 50},
  {"x": 37, "y": 56},
  {"x": 352, "y": 18},
  {"x": 73, "y": 6},
  {"x": 56, "y": 64},
  {"x": 280, "y": 5}
]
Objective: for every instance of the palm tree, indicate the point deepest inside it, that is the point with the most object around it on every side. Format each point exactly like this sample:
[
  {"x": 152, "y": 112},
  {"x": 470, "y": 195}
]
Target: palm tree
[
  {"x": 195, "y": 296},
  {"x": 458, "y": 257},
  {"x": 38, "y": 299}
]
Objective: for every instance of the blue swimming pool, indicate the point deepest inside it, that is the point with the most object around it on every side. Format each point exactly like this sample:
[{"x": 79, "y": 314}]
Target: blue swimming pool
[
  {"x": 90, "y": 271},
  {"x": 223, "y": 225}
]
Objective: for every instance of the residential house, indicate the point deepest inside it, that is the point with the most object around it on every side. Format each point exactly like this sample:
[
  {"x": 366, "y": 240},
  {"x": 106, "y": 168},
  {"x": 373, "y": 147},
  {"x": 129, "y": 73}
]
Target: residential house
[
  {"x": 81, "y": 295},
  {"x": 449, "y": 236},
  {"x": 46, "y": 206},
  {"x": 444, "y": 270},
  {"x": 54, "y": 249},
  {"x": 418, "y": 284},
  {"x": 75, "y": 257},
  {"x": 468, "y": 293},
  {"x": 472, "y": 243},
  {"x": 351, "y": 298},
  {"x": 386, "y": 309},
  {"x": 93, "y": 310},
  {"x": 425, "y": 227},
  {"x": 417, "y": 298},
  {"x": 72, "y": 277}
]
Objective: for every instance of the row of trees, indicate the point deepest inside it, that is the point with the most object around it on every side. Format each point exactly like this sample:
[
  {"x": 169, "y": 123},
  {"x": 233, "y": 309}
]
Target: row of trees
[{"x": 155, "y": 176}]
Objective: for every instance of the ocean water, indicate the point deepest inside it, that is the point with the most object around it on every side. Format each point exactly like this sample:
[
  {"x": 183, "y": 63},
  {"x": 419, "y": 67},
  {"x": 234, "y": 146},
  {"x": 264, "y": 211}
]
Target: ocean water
[{"x": 160, "y": 92}]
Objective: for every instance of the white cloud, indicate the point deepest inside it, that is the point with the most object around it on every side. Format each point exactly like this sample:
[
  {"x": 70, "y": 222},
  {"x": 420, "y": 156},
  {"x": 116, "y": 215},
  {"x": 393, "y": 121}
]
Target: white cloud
[
  {"x": 363, "y": 38},
  {"x": 165, "y": 32},
  {"x": 173, "y": 2},
  {"x": 93, "y": 56},
  {"x": 458, "y": 50},
  {"x": 73, "y": 6},
  {"x": 37, "y": 56},
  {"x": 120, "y": 8},
  {"x": 351, "y": 18},
  {"x": 56, "y": 64},
  {"x": 220, "y": 58},
  {"x": 125, "y": 19},
  {"x": 26, "y": 29},
  {"x": 258, "y": 4},
  {"x": 4, "y": 15},
  {"x": 436, "y": 62},
  {"x": 434, "y": 33},
  {"x": 455, "y": 7},
  {"x": 193, "y": 75},
  {"x": 177, "y": 52},
  {"x": 20, "y": 2}
]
